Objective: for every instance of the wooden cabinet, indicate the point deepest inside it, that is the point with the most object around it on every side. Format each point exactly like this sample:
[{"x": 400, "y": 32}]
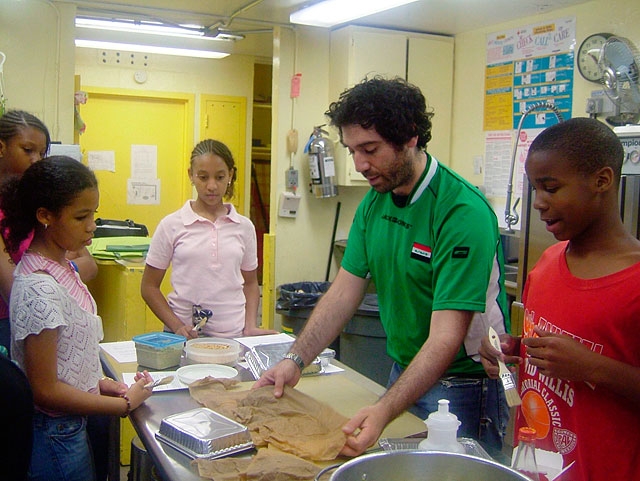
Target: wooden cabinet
[{"x": 425, "y": 60}]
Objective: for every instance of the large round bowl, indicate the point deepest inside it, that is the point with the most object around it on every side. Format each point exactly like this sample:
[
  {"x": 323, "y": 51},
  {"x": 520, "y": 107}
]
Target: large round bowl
[{"x": 423, "y": 466}]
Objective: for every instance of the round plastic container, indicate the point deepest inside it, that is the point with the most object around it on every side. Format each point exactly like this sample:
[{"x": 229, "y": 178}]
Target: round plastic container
[{"x": 212, "y": 350}]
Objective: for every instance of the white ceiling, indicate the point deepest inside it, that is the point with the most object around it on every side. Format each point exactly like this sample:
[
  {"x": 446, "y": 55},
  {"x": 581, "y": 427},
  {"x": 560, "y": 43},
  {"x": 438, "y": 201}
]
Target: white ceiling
[{"x": 252, "y": 17}]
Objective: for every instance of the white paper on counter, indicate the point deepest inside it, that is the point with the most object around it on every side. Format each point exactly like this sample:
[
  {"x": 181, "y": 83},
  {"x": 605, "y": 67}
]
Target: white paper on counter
[
  {"x": 128, "y": 379},
  {"x": 121, "y": 351}
]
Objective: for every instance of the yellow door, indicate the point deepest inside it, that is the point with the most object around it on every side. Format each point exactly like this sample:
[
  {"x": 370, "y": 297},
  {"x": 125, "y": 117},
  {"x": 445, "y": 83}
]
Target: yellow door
[
  {"x": 224, "y": 119},
  {"x": 117, "y": 120}
]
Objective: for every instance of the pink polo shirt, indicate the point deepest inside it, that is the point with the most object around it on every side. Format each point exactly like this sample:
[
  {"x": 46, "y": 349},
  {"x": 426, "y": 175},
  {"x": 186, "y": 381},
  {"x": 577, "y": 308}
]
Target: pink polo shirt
[{"x": 206, "y": 259}]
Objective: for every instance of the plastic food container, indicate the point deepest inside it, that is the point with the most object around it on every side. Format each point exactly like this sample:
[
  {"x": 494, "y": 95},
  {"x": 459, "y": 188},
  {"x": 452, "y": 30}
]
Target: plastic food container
[
  {"x": 159, "y": 350},
  {"x": 212, "y": 350}
]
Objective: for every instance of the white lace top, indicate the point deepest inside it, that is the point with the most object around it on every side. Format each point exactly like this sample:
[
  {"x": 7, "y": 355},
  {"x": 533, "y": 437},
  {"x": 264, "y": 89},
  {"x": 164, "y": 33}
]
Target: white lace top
[{"x": 46, "y": 295}]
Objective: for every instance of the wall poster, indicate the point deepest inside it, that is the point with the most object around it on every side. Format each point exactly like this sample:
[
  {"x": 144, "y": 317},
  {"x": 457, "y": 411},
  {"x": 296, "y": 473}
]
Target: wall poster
[{"x": 524, "y": 66}]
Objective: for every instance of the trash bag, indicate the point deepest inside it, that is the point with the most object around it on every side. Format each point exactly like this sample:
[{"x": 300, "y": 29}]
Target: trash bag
[{"x": 300, "y": 295}]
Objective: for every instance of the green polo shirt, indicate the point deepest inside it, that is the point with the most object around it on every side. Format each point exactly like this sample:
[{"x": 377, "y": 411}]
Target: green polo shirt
[{"x": 441, "y": 250}]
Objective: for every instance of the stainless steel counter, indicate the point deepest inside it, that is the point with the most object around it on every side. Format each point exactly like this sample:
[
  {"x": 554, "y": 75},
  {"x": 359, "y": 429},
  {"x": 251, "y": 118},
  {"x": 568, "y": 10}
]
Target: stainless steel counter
[{"x": 346, "y": 392}]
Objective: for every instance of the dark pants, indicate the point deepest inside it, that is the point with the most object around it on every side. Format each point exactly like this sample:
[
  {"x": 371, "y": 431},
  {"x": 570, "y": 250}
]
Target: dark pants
[
  {"x": 16, "y": 420},
  {"x": 98, "y": 431}
]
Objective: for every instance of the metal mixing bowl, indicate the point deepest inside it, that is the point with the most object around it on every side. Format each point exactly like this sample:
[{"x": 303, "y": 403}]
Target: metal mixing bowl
[{"x": 423, "y": 466}]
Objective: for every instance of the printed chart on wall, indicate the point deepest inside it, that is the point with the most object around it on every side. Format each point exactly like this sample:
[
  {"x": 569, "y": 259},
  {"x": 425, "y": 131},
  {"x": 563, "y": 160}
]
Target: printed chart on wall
[{"x": 524, "y": 66}]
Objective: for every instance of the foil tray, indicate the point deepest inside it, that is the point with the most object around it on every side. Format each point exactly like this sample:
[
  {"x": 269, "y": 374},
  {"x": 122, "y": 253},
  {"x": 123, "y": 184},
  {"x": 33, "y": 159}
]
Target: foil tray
[
  {"x": 471, "y": 446},
  {"x": 264, "y": 356},
  {"x": 203, "y": 433}
]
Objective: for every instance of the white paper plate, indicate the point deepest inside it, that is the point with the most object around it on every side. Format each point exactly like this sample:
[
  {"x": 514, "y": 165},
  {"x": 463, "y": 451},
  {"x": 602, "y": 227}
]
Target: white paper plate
[{"x": 193, "y": 372}]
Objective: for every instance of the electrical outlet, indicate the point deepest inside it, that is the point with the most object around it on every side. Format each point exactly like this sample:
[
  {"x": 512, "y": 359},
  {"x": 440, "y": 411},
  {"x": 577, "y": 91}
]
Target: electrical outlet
[
  {"x": 125, "y": 59},
  {"x": 292, "y": 178}
]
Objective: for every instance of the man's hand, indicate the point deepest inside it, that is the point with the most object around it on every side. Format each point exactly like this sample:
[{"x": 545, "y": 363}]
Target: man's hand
[
  {"x": 488, "y": 355},
  {"x": 285, "y": 372},
  {"x": 364, "y": 429}
]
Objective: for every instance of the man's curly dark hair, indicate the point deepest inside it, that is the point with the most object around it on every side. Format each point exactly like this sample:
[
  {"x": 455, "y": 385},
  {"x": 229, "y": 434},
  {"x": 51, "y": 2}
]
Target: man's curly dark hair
[{"x": 395, "y": 108}]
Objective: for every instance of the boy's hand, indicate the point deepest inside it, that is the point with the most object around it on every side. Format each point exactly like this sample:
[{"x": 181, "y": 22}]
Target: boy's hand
[{"x": 559, "y": 356}]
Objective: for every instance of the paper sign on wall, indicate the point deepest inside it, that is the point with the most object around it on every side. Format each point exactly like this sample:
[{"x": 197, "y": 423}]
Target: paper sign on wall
[
  {"x": 143, "y": 188},
  {"x": 102, "y": 160},
  {"x": 143, "y": 192},
  {"x": 144, "y": 162}
]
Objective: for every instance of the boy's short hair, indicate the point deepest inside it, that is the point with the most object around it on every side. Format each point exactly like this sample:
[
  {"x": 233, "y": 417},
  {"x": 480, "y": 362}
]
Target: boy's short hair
[{"x": 586, "y": 143}]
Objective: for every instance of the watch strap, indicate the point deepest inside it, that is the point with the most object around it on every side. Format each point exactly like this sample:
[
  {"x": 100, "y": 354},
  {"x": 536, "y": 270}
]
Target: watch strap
[{"x": 295, "y": 358}]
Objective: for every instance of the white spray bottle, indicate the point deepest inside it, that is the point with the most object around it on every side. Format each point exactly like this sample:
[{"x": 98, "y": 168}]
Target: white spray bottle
[{"x": 442, "y": 431}]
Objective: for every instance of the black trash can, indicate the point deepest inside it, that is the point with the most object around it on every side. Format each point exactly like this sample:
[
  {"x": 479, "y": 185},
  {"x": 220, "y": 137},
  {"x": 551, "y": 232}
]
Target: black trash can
[
  {"x": 363, "y": 342},
  {"x": 296, "y": 301}
]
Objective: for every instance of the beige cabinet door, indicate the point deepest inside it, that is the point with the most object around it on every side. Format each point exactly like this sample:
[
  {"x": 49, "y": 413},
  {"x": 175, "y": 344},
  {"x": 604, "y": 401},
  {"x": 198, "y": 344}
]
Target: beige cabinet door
[
  {"x": 356, "y": 53},
  {"x": 430, "y": 67}
]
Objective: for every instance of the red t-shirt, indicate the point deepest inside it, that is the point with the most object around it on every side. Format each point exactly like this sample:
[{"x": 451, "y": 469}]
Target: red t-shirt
[{"x": 596, "y": 430}]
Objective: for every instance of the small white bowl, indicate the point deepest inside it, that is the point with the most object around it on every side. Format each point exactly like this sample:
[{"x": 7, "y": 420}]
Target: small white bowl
[{"x": 193, "y": 372}]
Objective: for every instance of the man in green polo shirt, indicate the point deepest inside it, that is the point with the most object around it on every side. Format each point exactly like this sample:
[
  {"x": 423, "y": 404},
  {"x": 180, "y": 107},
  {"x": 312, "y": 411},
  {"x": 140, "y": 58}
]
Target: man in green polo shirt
[{"x": 430, "y": 241}]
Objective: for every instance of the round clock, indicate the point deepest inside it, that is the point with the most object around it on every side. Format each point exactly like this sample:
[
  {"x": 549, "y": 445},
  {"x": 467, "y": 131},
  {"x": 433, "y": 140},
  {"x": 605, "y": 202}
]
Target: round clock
[{"x": 587, "y": 57}]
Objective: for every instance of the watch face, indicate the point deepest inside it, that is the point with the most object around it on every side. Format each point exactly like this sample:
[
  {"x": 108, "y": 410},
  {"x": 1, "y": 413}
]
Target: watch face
[{"x": 587, "y": 58}]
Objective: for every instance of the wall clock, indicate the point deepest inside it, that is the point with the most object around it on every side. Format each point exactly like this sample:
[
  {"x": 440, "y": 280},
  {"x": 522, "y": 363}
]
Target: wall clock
[{"x": 587, "y": 56}]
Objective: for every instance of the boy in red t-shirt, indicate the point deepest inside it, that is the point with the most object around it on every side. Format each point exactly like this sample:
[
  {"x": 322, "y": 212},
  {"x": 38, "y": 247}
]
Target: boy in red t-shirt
[{"x": 579, "y": 356}]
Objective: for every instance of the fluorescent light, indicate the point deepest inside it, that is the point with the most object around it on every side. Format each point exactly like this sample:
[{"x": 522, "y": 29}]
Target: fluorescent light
[
  {"x": 334, "y": 12},
  {"x": 153, "y": 28},
  {"x": 190, "y": 46},
  {"x": 131, "y": 47}
]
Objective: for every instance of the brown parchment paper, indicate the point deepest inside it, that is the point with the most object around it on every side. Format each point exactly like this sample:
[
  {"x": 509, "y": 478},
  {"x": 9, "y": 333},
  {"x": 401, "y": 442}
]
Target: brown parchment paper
[
  {"x": 295, "y": 423},
  {"x": 269, "y": 464}
]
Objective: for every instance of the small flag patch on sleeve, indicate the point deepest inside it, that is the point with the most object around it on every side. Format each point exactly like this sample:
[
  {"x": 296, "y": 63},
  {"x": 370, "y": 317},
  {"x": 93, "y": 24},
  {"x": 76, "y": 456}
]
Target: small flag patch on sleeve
[{"x": 421, "y": 252}]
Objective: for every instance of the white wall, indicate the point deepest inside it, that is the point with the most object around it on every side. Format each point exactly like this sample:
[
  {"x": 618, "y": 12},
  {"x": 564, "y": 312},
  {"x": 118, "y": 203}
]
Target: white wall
[
  {"x": 37, "y": 38},
  {"x": 303, "y": 243}
]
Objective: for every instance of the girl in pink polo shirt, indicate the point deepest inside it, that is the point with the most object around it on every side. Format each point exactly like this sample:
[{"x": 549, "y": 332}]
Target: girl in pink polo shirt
[{"x": 213, "y": 253}]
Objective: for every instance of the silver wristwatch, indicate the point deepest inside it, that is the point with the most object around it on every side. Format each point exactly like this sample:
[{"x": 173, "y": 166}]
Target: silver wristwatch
[{"x": 295, "y": 358}]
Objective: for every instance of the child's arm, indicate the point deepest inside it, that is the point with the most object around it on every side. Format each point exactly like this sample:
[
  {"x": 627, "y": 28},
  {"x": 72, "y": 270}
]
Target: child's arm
[
  {"x": 7, "y": 267},
  {"x": 153, "y": 296},
  {"x": 87, "y": 267},
  {"x": 51, "y": 394},
  {"x": 562, "y": 357},
  {"x": 252, "y": 295}
]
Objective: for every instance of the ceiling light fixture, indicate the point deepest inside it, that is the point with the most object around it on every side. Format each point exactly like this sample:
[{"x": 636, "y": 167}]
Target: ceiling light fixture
[
  {"x": 334, "y": 12},
  {"x": 147, "y": 37}
]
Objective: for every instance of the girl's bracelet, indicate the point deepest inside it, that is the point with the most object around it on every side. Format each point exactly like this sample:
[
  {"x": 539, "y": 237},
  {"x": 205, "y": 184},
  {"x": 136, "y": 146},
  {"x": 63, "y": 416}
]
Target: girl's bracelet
[{"x": 128, "y": 411}]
